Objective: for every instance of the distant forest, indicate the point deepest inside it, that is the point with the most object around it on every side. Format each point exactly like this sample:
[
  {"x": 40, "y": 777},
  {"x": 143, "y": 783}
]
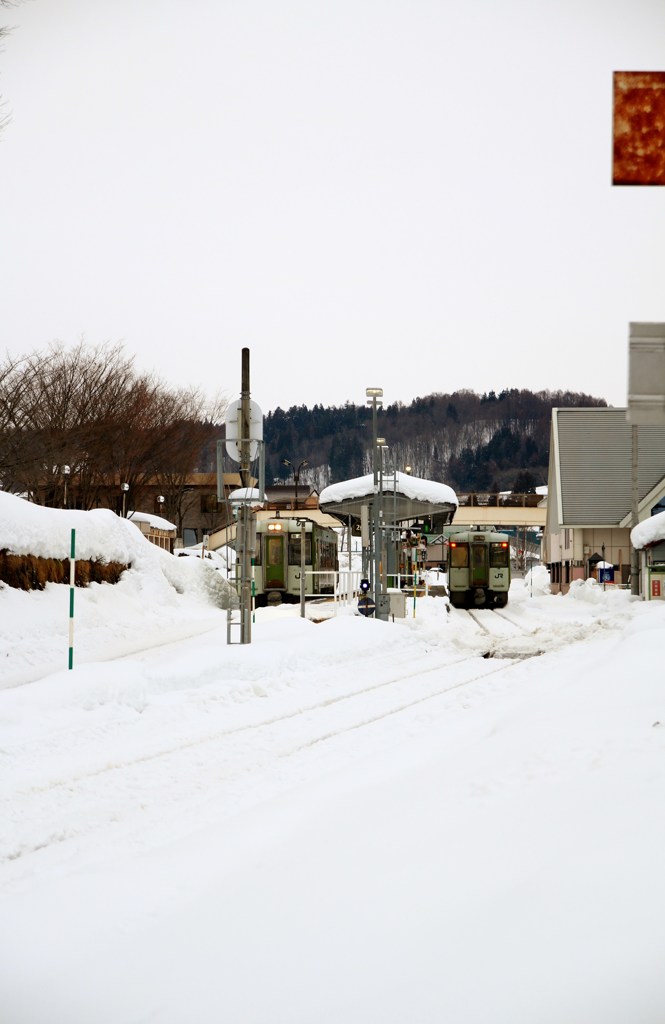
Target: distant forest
[{"x": 490, "y": 442}]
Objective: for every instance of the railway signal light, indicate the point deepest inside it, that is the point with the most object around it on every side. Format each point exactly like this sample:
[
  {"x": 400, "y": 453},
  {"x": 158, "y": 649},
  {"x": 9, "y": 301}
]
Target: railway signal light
[{"x": 364, "y": 586}]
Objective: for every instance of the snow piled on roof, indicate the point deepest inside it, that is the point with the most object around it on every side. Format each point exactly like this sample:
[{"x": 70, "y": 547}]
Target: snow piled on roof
[
  {"x": 649, "y": 532},
  {"x": 410, "y": 486},
  {"x": 247, "y": 494},
  {"x": 156, "y": 522}
]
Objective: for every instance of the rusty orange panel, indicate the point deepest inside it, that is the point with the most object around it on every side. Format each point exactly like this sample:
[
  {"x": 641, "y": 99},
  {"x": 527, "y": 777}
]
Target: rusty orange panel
[{"x": 639, "y": 128}]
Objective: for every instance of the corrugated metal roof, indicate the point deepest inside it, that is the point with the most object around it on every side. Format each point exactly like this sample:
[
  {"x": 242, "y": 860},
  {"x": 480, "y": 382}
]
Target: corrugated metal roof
[{"x": 594, "y": 448}]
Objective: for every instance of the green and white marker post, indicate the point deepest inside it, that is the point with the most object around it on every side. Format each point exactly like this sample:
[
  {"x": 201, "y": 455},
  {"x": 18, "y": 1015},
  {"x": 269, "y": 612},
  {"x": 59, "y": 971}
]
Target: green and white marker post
[{"x": 72, "y": 578}]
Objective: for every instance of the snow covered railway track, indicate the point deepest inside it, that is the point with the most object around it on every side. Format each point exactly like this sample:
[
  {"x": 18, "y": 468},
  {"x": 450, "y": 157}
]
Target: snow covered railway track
[
  {"x": 505, "y": 638},
  {"x": 492, "y": 621},
  {"x": 222, "y": 766},
  {"x": 503, "y": 614}
]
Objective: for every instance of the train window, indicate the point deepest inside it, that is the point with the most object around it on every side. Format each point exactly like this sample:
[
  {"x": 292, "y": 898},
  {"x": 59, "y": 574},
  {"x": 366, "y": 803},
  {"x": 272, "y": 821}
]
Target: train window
[
  {"x": 294, "y": 549},
  {"x": 500, "y": 555},
  {"x": 274, "y": 548},
  {"x": 326, "y": 554},
  {"x": 459, "y": 556},
  {"x": 478, "y": 555}
]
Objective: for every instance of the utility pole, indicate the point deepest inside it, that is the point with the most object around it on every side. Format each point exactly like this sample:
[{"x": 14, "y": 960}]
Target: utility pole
[
  {"x": 373, "y": 395},
  {"x": 244, "y": 439},
  {"x": 245, "y": 512}
]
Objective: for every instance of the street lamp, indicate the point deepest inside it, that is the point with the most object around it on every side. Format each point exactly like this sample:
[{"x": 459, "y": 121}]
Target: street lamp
[
  {"x": 66, "y": 470},
  {"x": 296, "y": 476},
  {"x": 124, "y": 488}
]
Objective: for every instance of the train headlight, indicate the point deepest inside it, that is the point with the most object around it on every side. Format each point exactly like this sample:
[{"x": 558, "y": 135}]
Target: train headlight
[{"x": 274, "y": 527}]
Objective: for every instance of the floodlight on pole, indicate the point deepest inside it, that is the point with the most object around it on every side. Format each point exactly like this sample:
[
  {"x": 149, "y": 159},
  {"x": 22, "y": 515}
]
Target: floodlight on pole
[{"x": 296, "y": 477}]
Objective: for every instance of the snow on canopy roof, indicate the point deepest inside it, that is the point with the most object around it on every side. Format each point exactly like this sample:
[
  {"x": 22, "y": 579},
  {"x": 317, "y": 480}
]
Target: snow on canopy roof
[
  {"x": 649, "y": 532},
  {"x": 30, "y": 529},
  {"x": 251, "y": 495},
  {"x": 157, "y": 522},
  {"x": 416, "y": 496}
]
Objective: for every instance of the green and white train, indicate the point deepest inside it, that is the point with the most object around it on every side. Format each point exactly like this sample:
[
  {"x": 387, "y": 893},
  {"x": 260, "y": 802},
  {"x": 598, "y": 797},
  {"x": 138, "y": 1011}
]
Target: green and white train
[
  {"x": 478, "y": 568},
  {"x": 279, "y": 564}
]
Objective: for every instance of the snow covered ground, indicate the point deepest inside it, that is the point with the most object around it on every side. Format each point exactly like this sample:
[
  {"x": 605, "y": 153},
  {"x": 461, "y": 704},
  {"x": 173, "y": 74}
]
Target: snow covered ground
[{"x": 441, "y": 818}]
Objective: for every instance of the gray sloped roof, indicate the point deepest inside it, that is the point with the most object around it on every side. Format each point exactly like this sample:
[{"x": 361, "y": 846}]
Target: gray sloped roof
[{"x": 593, "y": 459}]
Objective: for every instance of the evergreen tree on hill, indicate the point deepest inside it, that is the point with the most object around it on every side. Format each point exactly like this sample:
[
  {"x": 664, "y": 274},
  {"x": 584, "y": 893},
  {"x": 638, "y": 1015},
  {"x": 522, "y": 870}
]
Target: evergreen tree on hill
[{"x": 471, "y": 442}]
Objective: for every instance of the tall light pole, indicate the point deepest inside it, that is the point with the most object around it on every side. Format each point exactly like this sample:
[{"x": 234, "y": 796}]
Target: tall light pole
[
  {"x": 383, "y": 447},
  {"x": 125, "y": 488},
  {"x": 296, "y": 477},
  {"x": 373, "y": 398}
]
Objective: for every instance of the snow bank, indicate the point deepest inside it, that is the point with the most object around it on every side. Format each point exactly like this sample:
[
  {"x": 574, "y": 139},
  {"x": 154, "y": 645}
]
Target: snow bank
[
  {"x": 101, "y": 535},
  {"x": 537, "y": 580},
  {"x": 596, "y": 593}
]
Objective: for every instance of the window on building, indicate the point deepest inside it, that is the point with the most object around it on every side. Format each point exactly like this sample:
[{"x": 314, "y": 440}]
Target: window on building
[{"x": 209, "y": 503}]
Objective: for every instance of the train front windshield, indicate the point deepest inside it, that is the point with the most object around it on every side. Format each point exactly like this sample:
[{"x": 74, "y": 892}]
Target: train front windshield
[
  {"x": 500, "y": 555},
  {"x": 294, "y": 549},
  {"x": 459, "y": 555}
]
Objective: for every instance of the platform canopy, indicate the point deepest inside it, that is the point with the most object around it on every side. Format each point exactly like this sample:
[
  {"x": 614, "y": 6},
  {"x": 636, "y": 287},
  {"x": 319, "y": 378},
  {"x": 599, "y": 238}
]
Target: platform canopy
[{"x": 404, "y": 498}]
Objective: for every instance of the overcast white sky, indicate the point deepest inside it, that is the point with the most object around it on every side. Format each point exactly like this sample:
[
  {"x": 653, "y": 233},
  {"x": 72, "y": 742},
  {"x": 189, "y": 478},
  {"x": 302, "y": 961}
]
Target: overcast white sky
[{"x": 412, "y": 194}]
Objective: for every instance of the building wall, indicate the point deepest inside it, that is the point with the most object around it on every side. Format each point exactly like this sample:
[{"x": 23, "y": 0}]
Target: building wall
[{"x": 572, "y": 549}]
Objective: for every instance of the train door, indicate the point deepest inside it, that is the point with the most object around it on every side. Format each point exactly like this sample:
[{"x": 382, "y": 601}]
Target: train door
[
  {"x": 274, "y": 562},
  {"x": 479, "y": 565}
]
